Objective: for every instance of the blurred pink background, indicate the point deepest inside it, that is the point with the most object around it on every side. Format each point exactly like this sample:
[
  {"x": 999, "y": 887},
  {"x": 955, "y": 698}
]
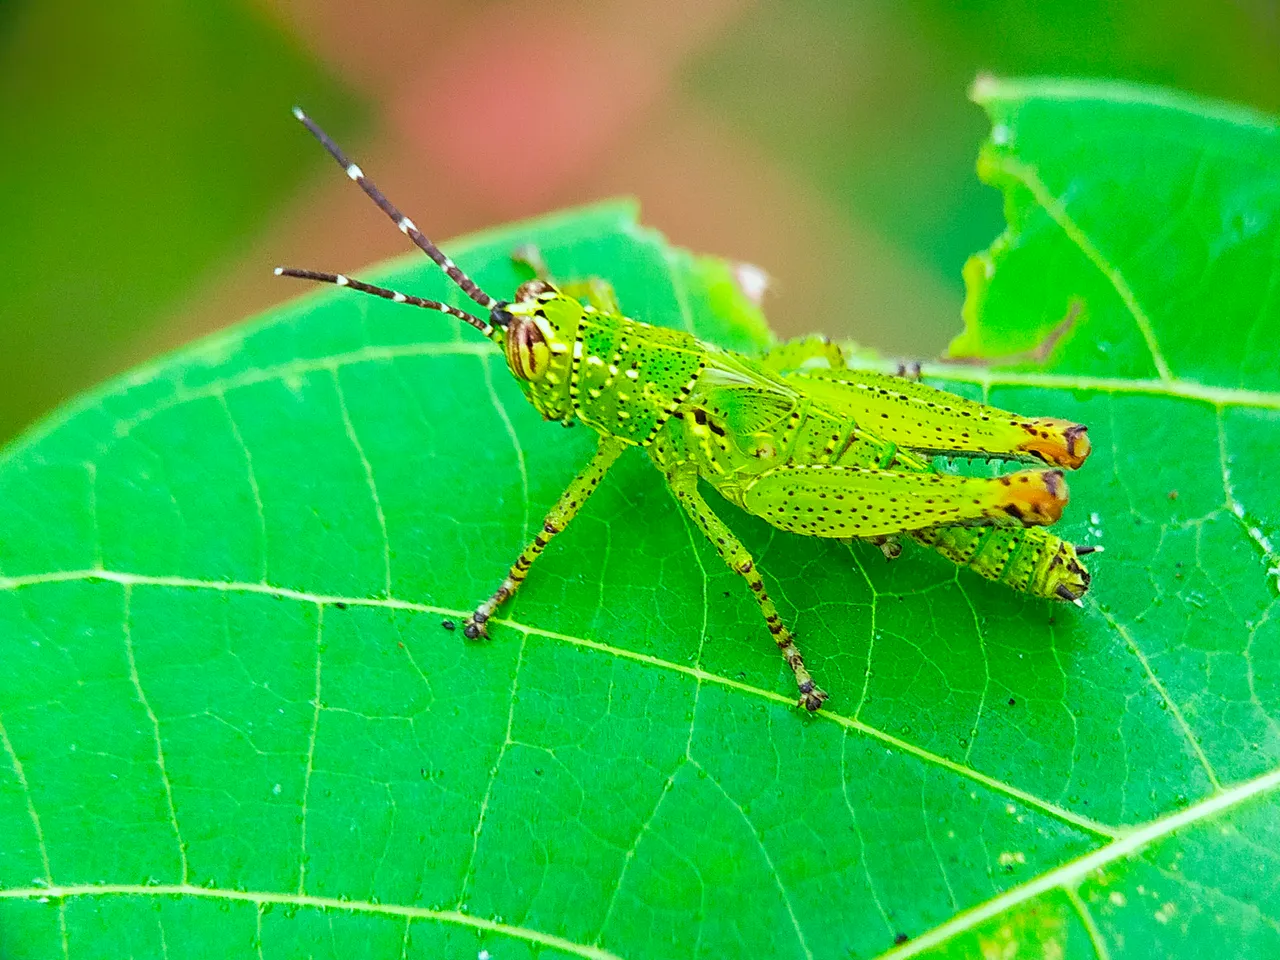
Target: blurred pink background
[{"x": 156, "y": 177}]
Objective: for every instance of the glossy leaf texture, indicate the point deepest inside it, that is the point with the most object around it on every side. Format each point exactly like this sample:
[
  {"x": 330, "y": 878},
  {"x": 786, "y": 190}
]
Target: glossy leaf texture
[{"x": 233, "y": 725}]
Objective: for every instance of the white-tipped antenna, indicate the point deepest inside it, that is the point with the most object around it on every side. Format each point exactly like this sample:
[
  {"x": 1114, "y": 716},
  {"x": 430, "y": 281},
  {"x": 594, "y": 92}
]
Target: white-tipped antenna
[
  {"x": 407, "y": 226},
  {"x": 342, "y": 280}
]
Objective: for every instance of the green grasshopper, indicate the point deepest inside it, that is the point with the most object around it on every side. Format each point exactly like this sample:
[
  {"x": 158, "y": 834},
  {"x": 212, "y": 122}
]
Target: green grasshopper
[{"x": 793, "y": 436}]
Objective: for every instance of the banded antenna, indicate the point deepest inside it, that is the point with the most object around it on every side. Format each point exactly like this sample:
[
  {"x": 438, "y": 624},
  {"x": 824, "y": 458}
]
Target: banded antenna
[
  {"x": 342, "y": 280},
  {"x": 497, "y": 314}
]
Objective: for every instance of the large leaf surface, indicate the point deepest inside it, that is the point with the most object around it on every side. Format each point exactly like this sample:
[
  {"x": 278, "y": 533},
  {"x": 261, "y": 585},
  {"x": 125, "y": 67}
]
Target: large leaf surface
[{"x": 232, "y": 724}]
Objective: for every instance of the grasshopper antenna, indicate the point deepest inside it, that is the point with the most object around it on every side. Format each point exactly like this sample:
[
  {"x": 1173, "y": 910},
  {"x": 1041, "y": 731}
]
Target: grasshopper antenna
[
  {"x": 407, "y": 226},
  {"x": 342, "y": 280}
]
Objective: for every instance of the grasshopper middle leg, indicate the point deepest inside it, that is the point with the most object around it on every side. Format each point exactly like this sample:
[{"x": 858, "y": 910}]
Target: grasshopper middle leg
[
  {"x": 557, "y": 519},
  {"x": 683, "y": 480}
]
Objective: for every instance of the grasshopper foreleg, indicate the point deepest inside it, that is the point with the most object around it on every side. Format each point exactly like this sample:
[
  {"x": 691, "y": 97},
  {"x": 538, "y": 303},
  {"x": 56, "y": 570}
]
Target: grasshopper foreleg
[
  {"x": 684, "y": 484},
  {"x": 595, "y": 291},
  {"x": 557, "y": 519},
  {"x": 803, "y": 353},
  {"x": 910, "y": 371}
]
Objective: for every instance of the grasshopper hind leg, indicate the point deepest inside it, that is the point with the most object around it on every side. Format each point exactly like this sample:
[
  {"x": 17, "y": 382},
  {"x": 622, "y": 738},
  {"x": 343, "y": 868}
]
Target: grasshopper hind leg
[{"x": 684, "y": 484}]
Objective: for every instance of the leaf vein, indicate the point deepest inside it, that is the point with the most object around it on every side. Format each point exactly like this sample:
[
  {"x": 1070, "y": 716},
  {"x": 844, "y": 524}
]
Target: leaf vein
[
  {"x": 136, "y": 680},
  {"x": 1174, "y": 710},
  {"x": 334, "y": 904},
  {"x": 501, "y": 410},
  {"x": 1055, "y": 208},
  {"x": 311, "y": 755},
  {"x": 369, "y": 480},
  {"x": 468, "y": 872},
  {"x": 1074, "y": 871},
  {"x": 21, "y": 774},
  {"x": 1096, "y": 939},
  {"x": 764, "y": 852}
]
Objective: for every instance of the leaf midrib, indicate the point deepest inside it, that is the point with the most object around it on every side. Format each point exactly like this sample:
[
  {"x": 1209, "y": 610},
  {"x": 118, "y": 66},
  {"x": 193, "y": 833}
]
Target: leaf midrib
[{"x": 128, "y": 580}]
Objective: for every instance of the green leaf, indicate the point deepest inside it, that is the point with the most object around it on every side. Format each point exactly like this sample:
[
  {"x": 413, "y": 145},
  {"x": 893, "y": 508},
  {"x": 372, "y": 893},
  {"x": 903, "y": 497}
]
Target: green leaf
[{"x": 233, "y": 725}]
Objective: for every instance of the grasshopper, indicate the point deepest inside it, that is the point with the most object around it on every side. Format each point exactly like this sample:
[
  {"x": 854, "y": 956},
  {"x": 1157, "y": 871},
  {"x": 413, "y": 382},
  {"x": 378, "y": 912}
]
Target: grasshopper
[{"x": 793, "y": 436}]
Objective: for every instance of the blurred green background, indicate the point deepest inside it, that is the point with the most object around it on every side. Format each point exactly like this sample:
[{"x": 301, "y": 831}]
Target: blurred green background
[{"x": 153, "y": 176}]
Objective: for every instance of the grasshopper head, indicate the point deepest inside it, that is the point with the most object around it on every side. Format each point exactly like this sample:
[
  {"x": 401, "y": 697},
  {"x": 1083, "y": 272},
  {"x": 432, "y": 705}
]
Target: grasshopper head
[
  {"x": 538, "y": 331},
  {"x": 539, "y": 327}
]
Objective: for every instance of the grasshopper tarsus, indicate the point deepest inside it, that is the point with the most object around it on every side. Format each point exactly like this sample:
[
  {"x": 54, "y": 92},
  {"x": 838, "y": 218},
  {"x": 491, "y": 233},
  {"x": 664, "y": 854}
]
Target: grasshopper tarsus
[
  {"x": 909, "y": 371},
  {"x": 890, "y": 547},
  {"x": 792, "y": 436},
  {"x": 812, "y": 699}
]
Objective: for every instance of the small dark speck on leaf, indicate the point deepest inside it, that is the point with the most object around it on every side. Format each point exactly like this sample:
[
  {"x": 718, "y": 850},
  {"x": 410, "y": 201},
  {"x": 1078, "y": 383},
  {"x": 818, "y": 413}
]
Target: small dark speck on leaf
[
  {"x": 340, "y": 605},
  {"x": 1173, "y": 494},
  {"x": 726, "y": 593},
  {"x": 1013, "y": 702},
  {"x": 901, "y": 938},
  {"x": 537, "y": 771},
  {"x": 448, "y": 624},
  {"x": 1052, "y": 621}
]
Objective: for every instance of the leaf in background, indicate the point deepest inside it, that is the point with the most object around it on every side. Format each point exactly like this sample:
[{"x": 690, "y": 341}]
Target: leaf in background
[
  {"x": 1155, "y": 220},
  {"x": 234, "y": 725}
]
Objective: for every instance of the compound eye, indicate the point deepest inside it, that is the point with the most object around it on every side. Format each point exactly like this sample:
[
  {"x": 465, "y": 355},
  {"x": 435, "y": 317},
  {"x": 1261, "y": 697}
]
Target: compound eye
[
  {"x": 528, "y": 355},
  {"x": 532, "y": 289}
]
